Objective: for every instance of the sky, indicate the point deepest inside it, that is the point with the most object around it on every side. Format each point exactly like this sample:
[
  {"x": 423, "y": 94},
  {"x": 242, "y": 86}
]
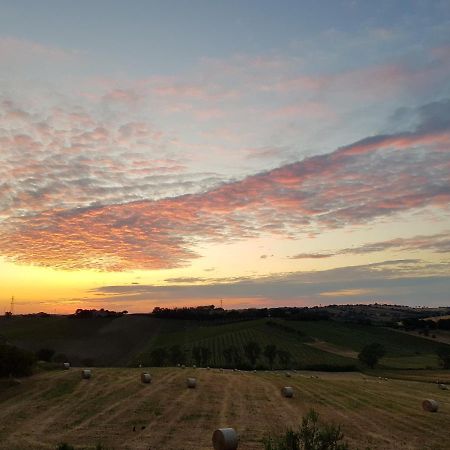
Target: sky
[{"x": 258, "y": 153}]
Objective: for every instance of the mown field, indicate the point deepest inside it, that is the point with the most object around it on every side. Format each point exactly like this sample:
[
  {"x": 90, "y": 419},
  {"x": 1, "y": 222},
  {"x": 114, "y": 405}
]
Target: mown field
[
  {"x": 59, "y": 406},
  {"x": 129, "y": 340}
]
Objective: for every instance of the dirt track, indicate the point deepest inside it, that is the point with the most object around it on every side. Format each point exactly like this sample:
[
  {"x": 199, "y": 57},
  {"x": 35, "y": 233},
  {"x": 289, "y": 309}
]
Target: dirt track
[{"x": 61, "y": 407}]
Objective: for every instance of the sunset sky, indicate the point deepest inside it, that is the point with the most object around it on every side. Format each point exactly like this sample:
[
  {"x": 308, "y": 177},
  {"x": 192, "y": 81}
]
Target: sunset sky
[{"x": 163, "y": 153}]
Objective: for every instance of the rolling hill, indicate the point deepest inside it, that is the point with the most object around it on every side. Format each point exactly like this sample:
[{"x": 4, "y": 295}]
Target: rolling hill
[{"x": 129, "y": 340}]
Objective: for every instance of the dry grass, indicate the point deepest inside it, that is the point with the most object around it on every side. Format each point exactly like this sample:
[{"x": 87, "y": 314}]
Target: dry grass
[{"x": 374, "y": 413}]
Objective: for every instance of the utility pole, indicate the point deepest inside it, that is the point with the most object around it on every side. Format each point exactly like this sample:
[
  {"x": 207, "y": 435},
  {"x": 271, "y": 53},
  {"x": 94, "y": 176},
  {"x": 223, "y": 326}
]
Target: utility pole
[
  {"x": 221, "y": 303},
  {"x": 12, "y": 305}
]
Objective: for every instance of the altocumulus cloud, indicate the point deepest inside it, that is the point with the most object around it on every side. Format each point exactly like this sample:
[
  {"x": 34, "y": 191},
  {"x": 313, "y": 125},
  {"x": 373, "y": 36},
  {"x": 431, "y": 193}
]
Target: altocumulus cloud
[{"x": 375, "y": 177}]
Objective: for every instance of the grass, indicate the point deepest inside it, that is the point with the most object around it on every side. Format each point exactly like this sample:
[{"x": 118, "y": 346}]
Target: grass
[
  {"x": 129, "y": 340},
  {"x": 374, "y": 413}
]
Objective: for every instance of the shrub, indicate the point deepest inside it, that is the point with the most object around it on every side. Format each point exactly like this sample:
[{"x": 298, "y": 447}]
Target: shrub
[
  {"x": 158, "y": 356},
  {"x": 311, "y": 435},
  {"x": 270, "y": 352},
  {"x": 371, "y": 353},
  {"x": 443, "y": 353},
  {"x": 15, "y": 361},
  {"x": 60, "y": 358},
  {"x": 64, "y": 446},
  {"x": 45, "y": 354}
]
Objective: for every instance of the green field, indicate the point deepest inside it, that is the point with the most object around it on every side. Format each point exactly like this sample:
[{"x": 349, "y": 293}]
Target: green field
[{"x": 129, "y": 340}]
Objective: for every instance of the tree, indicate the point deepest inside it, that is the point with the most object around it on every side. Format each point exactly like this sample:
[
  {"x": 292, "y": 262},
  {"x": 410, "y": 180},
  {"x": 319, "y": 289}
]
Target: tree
[
  {"x": 158, "y": 356},
  {"x": 285, "y": 358},
  {"x": 60, "y": 358},
  {"x": 443, "y": 353},
  {"x": 232, "y": 356},
  {"x": 206, "y": 355},
  {"x": 45, "y": 354},
  {"x": 252, "y": 351},
  {"x": 15, "y": 361},
  {"x": 371, "y": 353},
  {"x": 197, "y": 355},
  {"x": 176, "y": 355},
  {"x": 270, "y": 352}
]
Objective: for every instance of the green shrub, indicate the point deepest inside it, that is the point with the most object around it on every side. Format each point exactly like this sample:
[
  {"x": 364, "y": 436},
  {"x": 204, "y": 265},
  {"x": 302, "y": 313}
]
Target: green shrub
[{"x": 310, "y": 436}]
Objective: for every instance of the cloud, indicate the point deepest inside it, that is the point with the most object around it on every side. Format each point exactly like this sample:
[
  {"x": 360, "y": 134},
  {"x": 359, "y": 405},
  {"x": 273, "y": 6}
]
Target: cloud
[
  {"x": 438, "y": 243},
  {"x": 67, "y": 158},
  {"x": 14, "y": 49},
  {"x": 376, "y": 177},
  {"x": 400, "y": 281}
]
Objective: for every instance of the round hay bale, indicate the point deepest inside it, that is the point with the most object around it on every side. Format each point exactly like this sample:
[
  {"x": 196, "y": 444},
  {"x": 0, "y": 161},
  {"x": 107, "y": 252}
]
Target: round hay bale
[
  {"x": 225, "y": 439},
  {"x": 287, "y": 391},
  {"x": 194, "y": 366},
  {"x": 86, "y": 374},
  {"x": 288, "y": 375},
  {"x": 146, "y": 377},
  {"x": 444, "y": 387},
  {"x": 66, "y": 365},
  {"x": 183, "y": 366},
  {"x": 430, "y": 405},
  {"x": 191, "y": 383}
]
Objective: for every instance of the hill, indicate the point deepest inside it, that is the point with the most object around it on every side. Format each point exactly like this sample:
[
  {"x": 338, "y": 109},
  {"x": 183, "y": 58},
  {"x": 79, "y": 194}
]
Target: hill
[
  {"x": 59, "y": 406},
  {"x": 130, "y": 339}
]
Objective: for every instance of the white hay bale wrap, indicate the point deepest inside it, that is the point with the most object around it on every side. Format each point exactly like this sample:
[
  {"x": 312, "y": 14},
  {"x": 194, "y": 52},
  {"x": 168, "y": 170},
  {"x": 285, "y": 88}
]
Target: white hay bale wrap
[
  {"x": 430, "y": 405},
  {"x": 288, "y": 375},
  {"x": 444, "y": 387},
  {"x": 146, "y": 377},
  {"x": 86, "y": 374},
  {"x": 287, "y": 391},
  {"x": 225, "y": 439},
  {"x": 66, "y": 365},
  {"x": 191, "y": 383}
]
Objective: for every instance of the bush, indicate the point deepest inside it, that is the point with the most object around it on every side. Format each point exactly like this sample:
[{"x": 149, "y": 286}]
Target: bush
[
  {"x": 64, "y": 446},
  {"x": 45, "y": 354},
  {"x": 60, "y": 358},
  {"x": 15, "y": 361},
  {"x": 310, "y": 436},
  {"x": 371, "y": 353},
  {"x": 443, "y": 353}
]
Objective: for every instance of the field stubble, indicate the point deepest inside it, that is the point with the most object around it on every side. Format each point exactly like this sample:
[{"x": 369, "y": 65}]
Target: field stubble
[{"x": 115, "y": 409}]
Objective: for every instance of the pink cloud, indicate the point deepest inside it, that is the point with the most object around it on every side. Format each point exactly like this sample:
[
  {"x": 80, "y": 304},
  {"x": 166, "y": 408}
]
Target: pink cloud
[{"x": 375, "y": 177}]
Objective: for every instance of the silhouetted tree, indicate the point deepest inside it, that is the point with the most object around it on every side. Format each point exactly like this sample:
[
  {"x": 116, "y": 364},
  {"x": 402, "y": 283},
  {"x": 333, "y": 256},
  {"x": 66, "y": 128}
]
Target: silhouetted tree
[
  {"x": 176, "y": 355},
  {"x": 60, "y": 358},
  {"x": 443, "y": 353},
  {"x": 197, "y": 355},
  {"x": 15, "y": 361},
  {"x": 270, "y": 352},
  {"x": 285, "y": 358},
  {"x": 371, "y": 353},
  {"x": 206, "y": 355},
  {"x": 252, "y": 351},
  {"x": 158, "y": 356},
  {"x": 45, "y": 354},
  {"x": 232, "y": 356}
]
